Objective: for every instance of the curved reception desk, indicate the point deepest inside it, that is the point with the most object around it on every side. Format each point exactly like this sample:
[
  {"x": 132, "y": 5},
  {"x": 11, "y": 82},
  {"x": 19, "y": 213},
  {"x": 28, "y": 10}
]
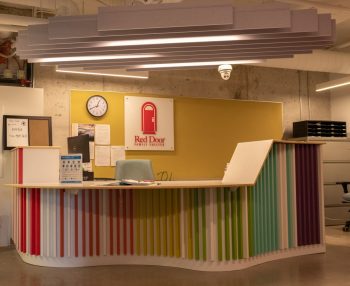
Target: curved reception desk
[{"x": 202, "y": 225}]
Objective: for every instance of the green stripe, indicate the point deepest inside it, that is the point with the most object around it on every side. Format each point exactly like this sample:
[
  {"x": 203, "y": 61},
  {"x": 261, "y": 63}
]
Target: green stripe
[
  {"x": 227, "y": 222},
  {"x": 176, "y": 222},
  {"x": 219, "y": 229},
  {"x": 169, "y": 216},
  {"x": 264, "y": 211},
  {"x": 269, "y": 204},
  {"x": 275, "y": 200},
  {"x": 204, "y": 223},
  {"x": 290, "y": 196},
  {"x": 189, "y": 206},
  {"x": 156, "y": 204},
  {"x": 234, "y": 223},
  {"x": 150, "y": 216},
  {"x": 196, "y": 224},
  {"x": 250, "y": 221},
  {"x": 240, "y": 227},
  {"x": 163, "y": 222},
  {"x": 258, "y": 216}
]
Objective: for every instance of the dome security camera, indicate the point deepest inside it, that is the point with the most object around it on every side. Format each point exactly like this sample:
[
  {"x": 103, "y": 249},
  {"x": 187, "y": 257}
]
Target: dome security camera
[{"x": 225, "y": 71}]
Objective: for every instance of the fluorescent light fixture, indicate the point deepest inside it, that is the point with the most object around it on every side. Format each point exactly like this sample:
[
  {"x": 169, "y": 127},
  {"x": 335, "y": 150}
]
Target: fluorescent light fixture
[
  {"x": 333, "y": 84},
  {"x": 181, "y": 40},
  {"x": 195, "y": 64},
  {"x": 111, "y": 72},
  {"x": 91, "y": 58}
]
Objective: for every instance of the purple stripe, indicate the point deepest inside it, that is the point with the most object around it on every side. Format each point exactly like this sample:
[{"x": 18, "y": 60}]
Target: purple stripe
[{"x": 308, "y": 225}]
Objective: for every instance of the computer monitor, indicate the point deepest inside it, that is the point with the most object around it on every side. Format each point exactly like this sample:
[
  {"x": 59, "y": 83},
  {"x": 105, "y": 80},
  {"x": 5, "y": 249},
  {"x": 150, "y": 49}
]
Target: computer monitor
[{"x": 79, "y": 144}]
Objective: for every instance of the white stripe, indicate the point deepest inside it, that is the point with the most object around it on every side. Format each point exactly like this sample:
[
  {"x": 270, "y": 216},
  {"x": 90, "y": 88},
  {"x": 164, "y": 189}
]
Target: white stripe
[
  {"x": 67, "y": 223},
  {"x": 43, "y": 222}
]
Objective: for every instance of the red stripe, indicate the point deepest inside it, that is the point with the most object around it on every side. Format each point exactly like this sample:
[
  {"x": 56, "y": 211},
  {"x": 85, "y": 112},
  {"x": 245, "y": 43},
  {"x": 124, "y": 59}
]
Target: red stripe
[
  {"x": 76, "y": 224},
  {"x": 131, "y": 224},
  {"x": 38, "y": 226},
  {"x": 124, "y": 221},
  {"x": 111, "y": 223},
  {"x": 62, "y": 223},
  {"x": 91, "y": 249},
  {"x": 32, "y": 221},
  {"x": 83, "y": 221},
  {"x": 20, "y": 166},
  {"x": 118, "y": 223},
  {"x": 97, "y": 192}
]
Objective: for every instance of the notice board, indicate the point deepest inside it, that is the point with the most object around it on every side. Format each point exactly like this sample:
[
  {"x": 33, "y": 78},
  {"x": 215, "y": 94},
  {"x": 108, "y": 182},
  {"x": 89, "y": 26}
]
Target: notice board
[{"x": 206, "y": 132}]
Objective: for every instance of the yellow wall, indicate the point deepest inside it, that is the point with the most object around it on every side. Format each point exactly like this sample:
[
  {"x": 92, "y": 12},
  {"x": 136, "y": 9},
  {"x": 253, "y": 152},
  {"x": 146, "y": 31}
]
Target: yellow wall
[{"x": 206, "y": 132}]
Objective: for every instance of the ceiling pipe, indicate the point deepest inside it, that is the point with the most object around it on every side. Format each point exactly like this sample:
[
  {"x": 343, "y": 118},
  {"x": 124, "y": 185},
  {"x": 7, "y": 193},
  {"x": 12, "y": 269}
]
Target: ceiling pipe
[{"x": 319, "y": 61}]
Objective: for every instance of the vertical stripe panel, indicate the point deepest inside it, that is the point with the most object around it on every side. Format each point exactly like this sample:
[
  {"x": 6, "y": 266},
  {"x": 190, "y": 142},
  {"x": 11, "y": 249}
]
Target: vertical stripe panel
[
  {"x": 131, "y": 216},
  {"x": 204, "y": 223},
  {"x": 227, "y": 223},
  {"x": 196, "y": 225},
  {"x": 219, "y": 228}
]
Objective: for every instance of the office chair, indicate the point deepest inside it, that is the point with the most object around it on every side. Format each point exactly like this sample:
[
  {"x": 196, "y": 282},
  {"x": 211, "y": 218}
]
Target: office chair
[
  {"x": 346, "y": 199},
  {"x": 134, "y": 169}
]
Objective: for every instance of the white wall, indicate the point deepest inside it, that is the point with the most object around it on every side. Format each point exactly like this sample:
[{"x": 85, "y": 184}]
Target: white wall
[{"x": 13, "y": 101}]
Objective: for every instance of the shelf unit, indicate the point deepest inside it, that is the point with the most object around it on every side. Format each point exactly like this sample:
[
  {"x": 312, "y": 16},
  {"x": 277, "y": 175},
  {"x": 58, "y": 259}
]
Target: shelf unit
[{"x": 319, "y": 128}]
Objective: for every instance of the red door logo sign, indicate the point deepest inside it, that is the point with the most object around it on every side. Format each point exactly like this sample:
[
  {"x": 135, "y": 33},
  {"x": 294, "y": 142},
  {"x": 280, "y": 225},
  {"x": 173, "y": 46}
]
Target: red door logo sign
[{"x": 149, "y": 118}]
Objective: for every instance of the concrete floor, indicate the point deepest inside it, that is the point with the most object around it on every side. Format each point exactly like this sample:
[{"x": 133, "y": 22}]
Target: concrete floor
[{"x": 332, "y": 268}]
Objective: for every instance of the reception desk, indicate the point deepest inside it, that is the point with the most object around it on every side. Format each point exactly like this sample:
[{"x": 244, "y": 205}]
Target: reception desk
[{"x": 201, "y": 225}]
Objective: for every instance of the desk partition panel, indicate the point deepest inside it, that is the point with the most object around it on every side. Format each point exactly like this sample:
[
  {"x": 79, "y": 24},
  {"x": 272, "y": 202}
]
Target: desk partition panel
[{"x": 203, "y": 228}]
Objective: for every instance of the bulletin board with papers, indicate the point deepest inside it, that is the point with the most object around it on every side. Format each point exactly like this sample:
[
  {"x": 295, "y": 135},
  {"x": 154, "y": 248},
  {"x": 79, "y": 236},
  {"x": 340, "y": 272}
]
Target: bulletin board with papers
[{"x": 21, "y": 131}]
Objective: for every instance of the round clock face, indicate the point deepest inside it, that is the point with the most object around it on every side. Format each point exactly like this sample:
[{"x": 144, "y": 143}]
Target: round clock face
[{"x": 97, "y": 105}]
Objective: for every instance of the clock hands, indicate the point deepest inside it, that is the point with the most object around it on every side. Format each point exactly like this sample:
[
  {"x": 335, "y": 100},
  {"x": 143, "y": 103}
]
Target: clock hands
[{"x": 95, "y": 105}]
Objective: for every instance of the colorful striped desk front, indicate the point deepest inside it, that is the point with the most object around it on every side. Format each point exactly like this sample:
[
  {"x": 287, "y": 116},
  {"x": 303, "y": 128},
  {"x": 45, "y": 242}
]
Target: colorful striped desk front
[{"x": 202, "y": 225}]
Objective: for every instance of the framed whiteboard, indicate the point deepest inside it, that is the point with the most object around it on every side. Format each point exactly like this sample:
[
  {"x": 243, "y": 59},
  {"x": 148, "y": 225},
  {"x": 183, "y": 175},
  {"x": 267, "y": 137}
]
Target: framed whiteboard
[{"x": 26, "y": 131}]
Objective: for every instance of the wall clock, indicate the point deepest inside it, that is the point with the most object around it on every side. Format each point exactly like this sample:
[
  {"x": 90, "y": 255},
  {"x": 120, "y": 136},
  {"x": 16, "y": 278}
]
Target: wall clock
[{"x": 97, "y": 105}]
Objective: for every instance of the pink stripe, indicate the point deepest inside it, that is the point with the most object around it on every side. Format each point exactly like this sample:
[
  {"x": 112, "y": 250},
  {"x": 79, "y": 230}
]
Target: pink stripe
[
  {"x": 22, "y": 244},
  {"x": 62, "y": 223},
  {"x": 124, "y": 222},
  {"x": 131, "y": 224},
  {"x": 20, "y": 166},
  {"x": 118, "y": 223},
  {"x": 97, "y": 222},
  {"x": 38, "y": 227},
  {"x": 32, "y": 221},
  {"x": 76, "y": 224}
]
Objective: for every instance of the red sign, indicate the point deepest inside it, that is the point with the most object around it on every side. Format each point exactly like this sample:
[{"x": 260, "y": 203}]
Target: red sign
[{"x": 149, "y": 118}]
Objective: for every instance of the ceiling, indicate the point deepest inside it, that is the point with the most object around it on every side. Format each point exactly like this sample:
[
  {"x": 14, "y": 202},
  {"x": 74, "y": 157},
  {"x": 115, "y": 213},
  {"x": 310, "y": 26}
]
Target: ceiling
[{"x": 335, "y": 60}]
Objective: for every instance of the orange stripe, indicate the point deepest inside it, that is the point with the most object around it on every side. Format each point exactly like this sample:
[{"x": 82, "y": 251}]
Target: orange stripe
[
  {"x": 62, "y": 223},
  {"x": 91, "y": 249},
  {"x": 110, "y": 223},
  {"x": 97, "y": 192},
  {"x": 76, "y": 224}
]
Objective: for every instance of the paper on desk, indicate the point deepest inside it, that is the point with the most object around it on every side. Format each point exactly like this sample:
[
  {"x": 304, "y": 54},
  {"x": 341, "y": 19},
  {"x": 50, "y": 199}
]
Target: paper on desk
[
  {"x": 92, "y": 150},
  {"x": 87, "y": 166},
  {"x": 102, "y": 155},
  {"x": 102, "y": 134},
  {"x": 117, "y": 153}
]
